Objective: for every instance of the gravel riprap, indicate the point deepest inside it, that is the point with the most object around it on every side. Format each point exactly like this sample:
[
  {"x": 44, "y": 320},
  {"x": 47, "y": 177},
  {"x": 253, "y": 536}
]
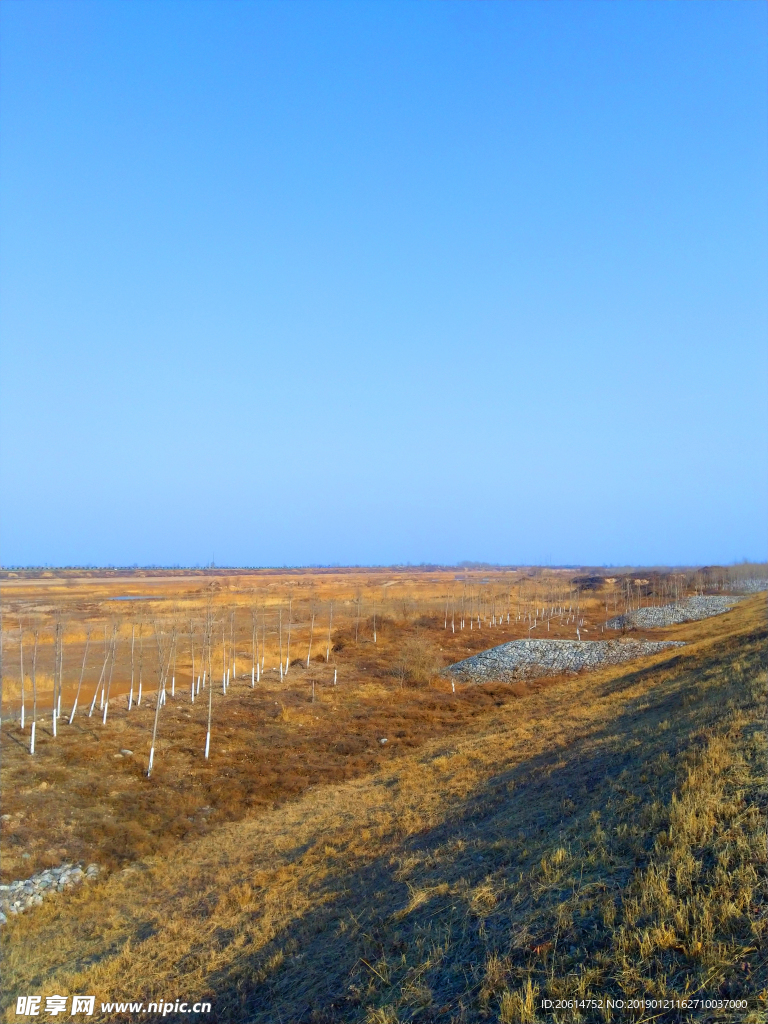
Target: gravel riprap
[
  {"x": 526, "y": 659},
  {"x": 30, "y": 892},
  {"x": 690, "y": 610},
  {"x": 748, "y": 586}
]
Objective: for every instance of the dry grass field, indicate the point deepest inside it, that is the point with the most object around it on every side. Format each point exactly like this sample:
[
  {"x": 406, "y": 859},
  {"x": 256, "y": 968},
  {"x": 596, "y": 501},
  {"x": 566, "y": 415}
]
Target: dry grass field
[
  {"x": 79, "y": 798},
  {"x": 600, "y": 835}
]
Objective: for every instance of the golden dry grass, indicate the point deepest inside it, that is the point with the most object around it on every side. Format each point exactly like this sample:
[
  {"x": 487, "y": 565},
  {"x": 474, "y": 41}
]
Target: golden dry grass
[
  {"x": 604, "y": 835},
  {"x": 78, "y": 798}
]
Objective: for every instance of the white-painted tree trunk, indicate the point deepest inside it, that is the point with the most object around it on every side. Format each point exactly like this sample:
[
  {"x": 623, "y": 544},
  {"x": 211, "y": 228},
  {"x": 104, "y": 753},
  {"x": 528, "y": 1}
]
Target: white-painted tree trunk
[
  {"x": 21, "y": 662},
  {"x": 82, "y": 673},
  {"x": 55, "y": 676},
  {"x": 254, "y": 641},
  {"x": 233, "y": 648},
  {"x": 34, "y": 695},
  {"x": 98, "y": 685},
  {"x": 173, "y": 686},
  {"x": 61, "y": 676},
  {"x": 111, "y": 670},
  {"x": 263, "y": 636},
  {"x": 280, "y": 639},
  {"x": 141, "y": 663},
  {"x": 164, "y": 670},
  {"x": 328, "y": 646},
  {"x": 210, "y": 698},
  {"x": 192, "y": 655},
  {"x": 133, "y": 666},
  {"x": 223, "y": 658},
  {"x": 311, "y": 632}
]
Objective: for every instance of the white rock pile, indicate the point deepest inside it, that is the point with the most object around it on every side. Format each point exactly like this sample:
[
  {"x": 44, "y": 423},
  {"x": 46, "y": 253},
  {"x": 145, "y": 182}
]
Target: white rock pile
[
  {"x": 19, "y": 896},
  {"x": 751, "y": 585},
  {"x": 690, "y": 610},
  {"x": 526, "y": 659}
]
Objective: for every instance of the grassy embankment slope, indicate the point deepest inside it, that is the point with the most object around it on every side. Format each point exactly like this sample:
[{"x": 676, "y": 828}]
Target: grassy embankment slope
[{"x": 605, "y": 835}]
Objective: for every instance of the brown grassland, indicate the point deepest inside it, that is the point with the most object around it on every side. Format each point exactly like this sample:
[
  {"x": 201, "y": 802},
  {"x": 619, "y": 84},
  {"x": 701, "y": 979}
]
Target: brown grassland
[
  {"x": 569, "y": 838},
  {"x": 269, "y": 743}
]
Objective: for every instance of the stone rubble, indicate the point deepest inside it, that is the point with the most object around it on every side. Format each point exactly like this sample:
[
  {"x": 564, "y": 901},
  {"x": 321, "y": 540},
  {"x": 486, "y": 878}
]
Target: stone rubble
[
  {"x": 19, "y": 896},
  {"x": 526, "y": 659},
  {"x": 690, "y": 610},
  {"x": 748, "y": 586}
]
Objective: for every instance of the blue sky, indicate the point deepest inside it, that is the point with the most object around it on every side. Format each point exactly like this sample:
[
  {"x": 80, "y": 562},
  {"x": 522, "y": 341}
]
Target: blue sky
[{"x": 301, "y": 283}]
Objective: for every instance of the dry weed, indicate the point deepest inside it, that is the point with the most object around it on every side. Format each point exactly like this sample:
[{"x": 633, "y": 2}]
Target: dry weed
[{"x": 457, "y": 882}]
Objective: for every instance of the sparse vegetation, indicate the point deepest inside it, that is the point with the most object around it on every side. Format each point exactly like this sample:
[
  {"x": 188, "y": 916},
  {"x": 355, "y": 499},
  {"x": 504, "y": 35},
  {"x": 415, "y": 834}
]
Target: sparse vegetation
[{"x": 602, "y": 834}]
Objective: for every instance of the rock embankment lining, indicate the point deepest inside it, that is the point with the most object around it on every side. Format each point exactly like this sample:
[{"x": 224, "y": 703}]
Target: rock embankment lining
[
  {"x": 526, "y": 659},
  {"x": 751, "y": 585},
  {"x": 689, "y": 610},
  {"x": 19, "y": 896}
]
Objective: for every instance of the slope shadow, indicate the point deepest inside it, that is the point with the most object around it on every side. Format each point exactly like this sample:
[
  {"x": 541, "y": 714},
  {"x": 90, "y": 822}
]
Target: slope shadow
[{"x": 328, "y": 958}]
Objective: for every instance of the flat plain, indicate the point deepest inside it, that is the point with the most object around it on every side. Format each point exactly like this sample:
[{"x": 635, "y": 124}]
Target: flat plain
[{"x": 368, "y": 839}]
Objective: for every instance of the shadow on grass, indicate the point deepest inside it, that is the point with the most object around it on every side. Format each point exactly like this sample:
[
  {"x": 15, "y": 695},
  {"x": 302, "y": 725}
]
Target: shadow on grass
[{"x": 415, "y": 931}]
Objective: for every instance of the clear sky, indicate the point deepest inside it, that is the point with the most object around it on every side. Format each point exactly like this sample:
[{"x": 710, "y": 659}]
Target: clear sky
[{"x": 376, "y": 282}]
